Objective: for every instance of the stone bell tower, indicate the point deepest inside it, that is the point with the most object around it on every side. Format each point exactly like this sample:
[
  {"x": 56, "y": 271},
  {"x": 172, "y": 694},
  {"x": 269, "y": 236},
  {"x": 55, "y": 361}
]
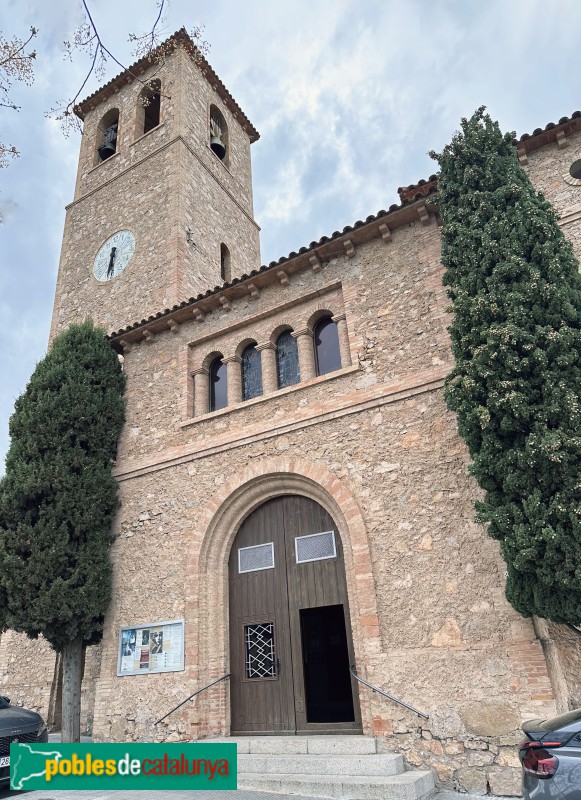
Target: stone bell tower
[{"x": 163, "y": 199}]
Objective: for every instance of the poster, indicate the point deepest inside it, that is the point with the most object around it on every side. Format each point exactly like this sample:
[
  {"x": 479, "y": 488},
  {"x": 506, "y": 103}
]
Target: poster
[{"x": 158, "y": 647}]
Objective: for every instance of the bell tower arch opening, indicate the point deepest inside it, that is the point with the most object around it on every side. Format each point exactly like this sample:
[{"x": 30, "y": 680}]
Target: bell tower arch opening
[
  {"x": 219, "y": 135},
  {"x": 107, "y": 134}
]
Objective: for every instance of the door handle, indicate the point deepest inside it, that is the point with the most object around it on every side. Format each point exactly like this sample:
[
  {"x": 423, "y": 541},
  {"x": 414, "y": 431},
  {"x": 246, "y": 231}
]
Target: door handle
[{"x": 278, "y": 666}]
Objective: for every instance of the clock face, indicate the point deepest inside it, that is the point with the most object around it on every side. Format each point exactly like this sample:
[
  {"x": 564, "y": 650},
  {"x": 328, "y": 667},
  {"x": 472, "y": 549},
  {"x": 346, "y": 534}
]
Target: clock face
[{"x": 114, "y": 255}]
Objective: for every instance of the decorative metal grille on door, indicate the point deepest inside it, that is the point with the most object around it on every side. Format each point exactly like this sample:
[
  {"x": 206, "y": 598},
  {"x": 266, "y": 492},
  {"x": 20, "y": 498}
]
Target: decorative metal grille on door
[
  {"x": 259, "y": 641},
  {"x": 315, "y": 547},
  {"x": 252, "y": 559}
]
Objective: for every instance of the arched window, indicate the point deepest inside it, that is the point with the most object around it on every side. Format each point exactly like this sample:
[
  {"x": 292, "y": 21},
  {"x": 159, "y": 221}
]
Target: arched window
[
  {"x": 218, "y": 384},
  {"x": 326, "y": 340},
  {"x": 107, "y": 132},
  {"x": 219, "y": 134},
  {"x": 225, "y": 270},
  {"x": 287, "y": 360},
  {"x": 149, "y": 107},
  {"x": 251, "y": 373}
]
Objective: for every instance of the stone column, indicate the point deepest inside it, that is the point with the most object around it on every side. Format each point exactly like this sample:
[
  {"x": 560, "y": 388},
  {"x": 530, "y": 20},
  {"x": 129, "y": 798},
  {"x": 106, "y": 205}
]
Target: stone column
[
  {"x": 234, "y": 376},
  {"x": 201, "y": 391},
  {"x": 304, "y": 339},
  {"x": 341, "y": 321},
  {"x": 268, "y": 360}
]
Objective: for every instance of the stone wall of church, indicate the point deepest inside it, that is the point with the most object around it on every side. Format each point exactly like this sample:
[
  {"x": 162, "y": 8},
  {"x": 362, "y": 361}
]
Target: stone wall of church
[
  {"x": 448, "y": 641},
  {"x": 26, "y": 671},
  {"x": 442, "y": 637}
]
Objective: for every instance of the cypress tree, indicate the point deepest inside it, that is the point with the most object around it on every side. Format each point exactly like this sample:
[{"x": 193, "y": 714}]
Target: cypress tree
[
  {"x": 58, "y": 499},
  {"x": 516, "y": 385}
]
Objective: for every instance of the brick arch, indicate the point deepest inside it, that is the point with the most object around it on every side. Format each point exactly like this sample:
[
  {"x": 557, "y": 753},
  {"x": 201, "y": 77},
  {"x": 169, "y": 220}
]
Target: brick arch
[
  {"x": 320, "y": 313},
  {"x": 282, "y": 328},
  {"x": 209, "y": 358},
  {"x": 241, "y": 346},
  {"x": 207, "y": 570}
]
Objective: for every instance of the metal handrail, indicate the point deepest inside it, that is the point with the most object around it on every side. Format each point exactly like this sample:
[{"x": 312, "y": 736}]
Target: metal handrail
[
  {"x": 198, "y": 691},
  {"x": 386, "y": 694}
]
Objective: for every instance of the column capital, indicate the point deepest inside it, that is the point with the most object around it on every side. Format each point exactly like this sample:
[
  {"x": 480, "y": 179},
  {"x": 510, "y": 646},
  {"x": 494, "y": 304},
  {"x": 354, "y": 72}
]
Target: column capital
[
  {"x": 200, "y": 371},
  {"x": 232, "y": 360},
  {"x": 306, "y": 331},
  {"x": 339, "y": 317},
  {"x": 265, "y": 346}
]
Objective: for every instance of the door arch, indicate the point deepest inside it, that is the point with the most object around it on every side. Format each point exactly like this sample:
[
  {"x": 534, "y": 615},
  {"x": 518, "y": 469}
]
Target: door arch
[{"x": 290, "y": 636}]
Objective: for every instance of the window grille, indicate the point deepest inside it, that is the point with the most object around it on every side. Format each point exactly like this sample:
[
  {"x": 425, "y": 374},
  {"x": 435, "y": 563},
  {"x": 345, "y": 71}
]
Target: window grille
[
  {"x": 315, "y": 547},
  {"x": 259, "y": 650},
  {"x": 252, "y": 559}
]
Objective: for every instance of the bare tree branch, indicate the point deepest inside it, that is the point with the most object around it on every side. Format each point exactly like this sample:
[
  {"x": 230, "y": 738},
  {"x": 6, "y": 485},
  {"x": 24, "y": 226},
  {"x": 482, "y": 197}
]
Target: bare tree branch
[
  {"x": 16, "y": 64},
  {"x": 87, "y": 38}
]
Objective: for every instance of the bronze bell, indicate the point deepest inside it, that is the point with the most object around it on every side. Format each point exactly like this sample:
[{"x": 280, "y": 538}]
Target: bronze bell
[
  {"x": 218, "y": 147},
  {"x": 109, "y": 146},
  {"x": 106, "y": 151}
]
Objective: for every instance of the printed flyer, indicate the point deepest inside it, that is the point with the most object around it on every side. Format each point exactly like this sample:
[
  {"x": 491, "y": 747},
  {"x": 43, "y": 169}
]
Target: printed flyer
[{"x": 151, "y": 648}]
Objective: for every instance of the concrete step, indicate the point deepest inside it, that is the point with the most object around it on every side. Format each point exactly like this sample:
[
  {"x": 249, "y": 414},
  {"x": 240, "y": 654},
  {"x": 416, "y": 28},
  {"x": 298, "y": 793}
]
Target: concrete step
[
  {"x": 305, "y": 764},
  {"x": 412, "y": 785},
  {"x": 293, "y": 745}
]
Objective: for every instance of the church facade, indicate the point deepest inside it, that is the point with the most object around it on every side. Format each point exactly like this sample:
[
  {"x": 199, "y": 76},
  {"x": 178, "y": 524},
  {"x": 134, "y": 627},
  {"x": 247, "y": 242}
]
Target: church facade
[{"x": 296, "y": 507}]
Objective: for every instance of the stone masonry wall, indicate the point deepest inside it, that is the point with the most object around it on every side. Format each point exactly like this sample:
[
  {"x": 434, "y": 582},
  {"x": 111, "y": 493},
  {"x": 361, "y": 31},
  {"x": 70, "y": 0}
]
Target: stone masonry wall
[{"x": 429, "y": 618}]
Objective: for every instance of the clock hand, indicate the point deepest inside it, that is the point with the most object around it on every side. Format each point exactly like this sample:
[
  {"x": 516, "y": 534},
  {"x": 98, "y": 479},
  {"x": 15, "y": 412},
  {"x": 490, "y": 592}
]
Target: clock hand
[{"x": 111, "y": 267}]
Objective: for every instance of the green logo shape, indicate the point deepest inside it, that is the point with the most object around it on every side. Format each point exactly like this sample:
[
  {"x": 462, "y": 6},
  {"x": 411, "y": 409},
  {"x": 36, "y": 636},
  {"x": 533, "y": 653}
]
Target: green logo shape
[{"x": 123, "y": 766}]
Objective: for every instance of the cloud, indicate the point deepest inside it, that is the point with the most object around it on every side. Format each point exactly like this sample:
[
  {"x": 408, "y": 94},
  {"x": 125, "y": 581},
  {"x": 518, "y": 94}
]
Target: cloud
[{"x": 7, "y": 209}]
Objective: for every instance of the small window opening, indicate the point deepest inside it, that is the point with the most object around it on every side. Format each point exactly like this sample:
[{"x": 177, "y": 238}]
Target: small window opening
[
  {"x": 218, "y": 134},
  {"x": 287, "y": 360},
  {"x": 326, "y": 340},
  {"x": 218, "y": 385},
  {"x": 251, "y": 373},
  {"x": 575, "y": 170},
  {"x": 107, "y": 131},
  {"x": 225, "y": 271}
]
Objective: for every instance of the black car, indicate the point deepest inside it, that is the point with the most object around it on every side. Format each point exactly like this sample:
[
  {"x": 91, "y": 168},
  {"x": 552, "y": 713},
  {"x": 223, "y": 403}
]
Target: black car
[
  {"x": 17, "y": 725},
  {"x": 551, "y": 758}
]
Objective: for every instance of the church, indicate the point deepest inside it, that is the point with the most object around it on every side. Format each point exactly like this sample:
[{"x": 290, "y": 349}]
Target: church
[{"x": 296, "y": 526}]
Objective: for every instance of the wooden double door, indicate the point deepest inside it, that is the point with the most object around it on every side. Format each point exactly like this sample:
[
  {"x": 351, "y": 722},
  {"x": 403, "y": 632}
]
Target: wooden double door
[{"x": 290, "y": 637}]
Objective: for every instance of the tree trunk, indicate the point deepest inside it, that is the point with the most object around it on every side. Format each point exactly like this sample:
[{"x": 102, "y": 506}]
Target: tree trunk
[{"x": 72, "y": 677}]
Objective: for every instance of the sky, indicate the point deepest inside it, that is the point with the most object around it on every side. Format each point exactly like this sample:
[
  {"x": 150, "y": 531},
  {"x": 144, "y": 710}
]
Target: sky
[{"x": 349, "y": 96}]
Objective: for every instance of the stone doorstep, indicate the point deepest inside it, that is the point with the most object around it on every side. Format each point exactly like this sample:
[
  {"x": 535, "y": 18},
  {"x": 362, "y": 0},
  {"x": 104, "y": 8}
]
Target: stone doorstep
[
  {"x": 412, "y": 785},
  {"x": 305, "y": 764},
  {"x": 294, "y": 745}
]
